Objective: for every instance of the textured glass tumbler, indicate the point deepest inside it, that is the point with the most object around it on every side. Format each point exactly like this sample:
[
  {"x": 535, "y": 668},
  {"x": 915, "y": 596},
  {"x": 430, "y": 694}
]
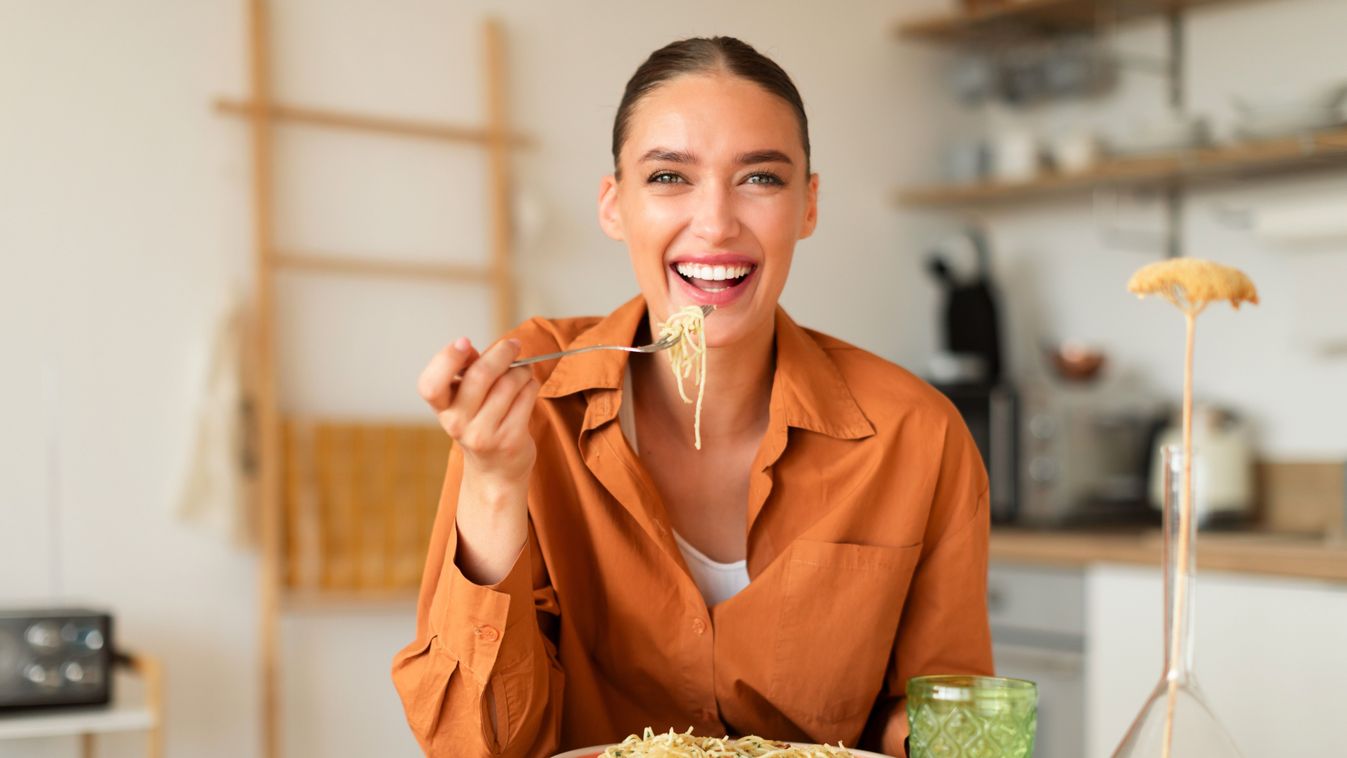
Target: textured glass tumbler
[{"x": 962, "y": 716}]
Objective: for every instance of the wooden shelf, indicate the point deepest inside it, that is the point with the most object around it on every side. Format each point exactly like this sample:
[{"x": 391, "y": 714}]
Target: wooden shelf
[
  {"x": 1206, "y": 164},
  {"x": 1036, "y": 18}
]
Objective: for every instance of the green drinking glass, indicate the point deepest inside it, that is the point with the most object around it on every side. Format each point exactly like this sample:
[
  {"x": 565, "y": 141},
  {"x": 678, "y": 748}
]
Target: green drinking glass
[{"x": 961, "y": 716}]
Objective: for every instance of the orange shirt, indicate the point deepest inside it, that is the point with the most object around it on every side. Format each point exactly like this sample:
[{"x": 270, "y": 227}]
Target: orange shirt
[{"x": 867, "y": 552}]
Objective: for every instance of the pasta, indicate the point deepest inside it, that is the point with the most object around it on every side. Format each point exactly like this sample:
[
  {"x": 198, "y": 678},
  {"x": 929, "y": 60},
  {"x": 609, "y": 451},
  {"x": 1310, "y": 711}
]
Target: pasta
[
  {"x": 673, "y": 744},
  {"x": 688, "y": 357}
]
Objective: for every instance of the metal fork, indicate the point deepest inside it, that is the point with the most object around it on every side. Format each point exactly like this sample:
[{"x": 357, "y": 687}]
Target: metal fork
[{"x": 653, "y": 347}]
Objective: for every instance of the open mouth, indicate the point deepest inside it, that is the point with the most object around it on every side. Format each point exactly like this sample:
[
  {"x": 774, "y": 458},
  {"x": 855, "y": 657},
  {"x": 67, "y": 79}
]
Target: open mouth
[{"x": 714, "y": 278}]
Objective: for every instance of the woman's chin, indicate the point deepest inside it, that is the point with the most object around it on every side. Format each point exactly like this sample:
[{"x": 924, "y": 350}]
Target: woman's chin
[{"x": 737, "y": 329}]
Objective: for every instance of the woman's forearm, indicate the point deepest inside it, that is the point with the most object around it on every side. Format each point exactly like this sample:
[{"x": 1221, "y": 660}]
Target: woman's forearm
[{"x": 492, "y": 523}]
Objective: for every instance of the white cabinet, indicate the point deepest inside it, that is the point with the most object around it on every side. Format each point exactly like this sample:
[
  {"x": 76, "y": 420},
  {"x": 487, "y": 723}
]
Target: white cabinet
[
  {"x": 1270, "y": 656},
  {"x": 1038, "y": 627}
]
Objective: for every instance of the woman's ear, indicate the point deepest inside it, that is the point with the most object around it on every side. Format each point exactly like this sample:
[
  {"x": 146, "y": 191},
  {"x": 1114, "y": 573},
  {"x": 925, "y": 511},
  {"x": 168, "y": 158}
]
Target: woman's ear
[
  {"x": 610, "y": 216},
  {"x": 811, "y": 208}
]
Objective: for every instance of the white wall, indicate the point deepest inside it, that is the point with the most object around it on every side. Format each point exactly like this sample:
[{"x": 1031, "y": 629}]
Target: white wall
[{"x": 124, "y": 221}]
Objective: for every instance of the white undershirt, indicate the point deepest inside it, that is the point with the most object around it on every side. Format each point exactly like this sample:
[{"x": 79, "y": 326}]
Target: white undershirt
[{"x": 717, "y": 581}]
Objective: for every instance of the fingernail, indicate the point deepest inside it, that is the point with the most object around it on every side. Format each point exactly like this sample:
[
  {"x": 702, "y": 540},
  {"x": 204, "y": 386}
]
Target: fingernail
[
  {"x": 462, "y": 344},
  {"x": 515, "y": 343}
]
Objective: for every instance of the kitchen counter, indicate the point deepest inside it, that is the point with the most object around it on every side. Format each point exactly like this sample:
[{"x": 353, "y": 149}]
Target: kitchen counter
[{"x": 1241, "y": 552}]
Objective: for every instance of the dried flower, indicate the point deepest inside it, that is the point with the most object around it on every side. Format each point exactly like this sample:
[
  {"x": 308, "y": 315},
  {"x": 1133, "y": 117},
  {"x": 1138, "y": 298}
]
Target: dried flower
[{"x": 1191, "y": 284}]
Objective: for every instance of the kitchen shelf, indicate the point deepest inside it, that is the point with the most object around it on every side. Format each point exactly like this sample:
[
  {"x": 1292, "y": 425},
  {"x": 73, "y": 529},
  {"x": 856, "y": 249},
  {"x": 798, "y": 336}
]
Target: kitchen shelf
[
  {"x": 1037, "y": 18},
  {"x": 1188, "y": 167}
]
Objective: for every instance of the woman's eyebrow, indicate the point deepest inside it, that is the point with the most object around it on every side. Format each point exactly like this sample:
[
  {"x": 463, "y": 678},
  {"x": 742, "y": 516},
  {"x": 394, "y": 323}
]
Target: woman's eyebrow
[
  {"x": 667, "y": 156},
  {"x": 764, "y": 156}
]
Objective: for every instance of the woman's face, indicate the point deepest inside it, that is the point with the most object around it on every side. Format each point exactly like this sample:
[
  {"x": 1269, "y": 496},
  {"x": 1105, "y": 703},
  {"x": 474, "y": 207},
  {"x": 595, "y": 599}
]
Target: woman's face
[{"x": 713, "y": 196}]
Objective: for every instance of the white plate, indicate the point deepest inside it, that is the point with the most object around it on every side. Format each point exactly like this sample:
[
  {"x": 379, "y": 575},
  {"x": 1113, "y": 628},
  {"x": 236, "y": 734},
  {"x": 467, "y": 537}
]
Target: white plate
[{"x": 586, "y": 752}]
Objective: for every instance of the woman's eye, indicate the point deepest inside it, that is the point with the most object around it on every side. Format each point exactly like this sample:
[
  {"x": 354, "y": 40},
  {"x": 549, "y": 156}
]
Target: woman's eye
[
  {"x": 764, "y": 177},
  {"x": 664, "y": 177}
]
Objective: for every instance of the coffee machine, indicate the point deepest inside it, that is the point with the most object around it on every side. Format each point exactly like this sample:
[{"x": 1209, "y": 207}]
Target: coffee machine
[{"x": 968, "y": 369}]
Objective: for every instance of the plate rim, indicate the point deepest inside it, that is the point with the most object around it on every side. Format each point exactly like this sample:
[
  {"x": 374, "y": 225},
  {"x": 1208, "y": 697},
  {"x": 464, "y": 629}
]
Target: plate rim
[{"x": 584, "y": 752}]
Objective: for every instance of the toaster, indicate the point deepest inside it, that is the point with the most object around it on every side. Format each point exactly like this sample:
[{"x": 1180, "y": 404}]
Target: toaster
[{"x": 55, "y": 658}]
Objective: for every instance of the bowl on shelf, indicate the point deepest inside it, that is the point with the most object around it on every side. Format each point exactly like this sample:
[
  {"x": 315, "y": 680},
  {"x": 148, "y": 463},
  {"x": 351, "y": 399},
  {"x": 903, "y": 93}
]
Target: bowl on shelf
[{"x": 1074, "y": 361}]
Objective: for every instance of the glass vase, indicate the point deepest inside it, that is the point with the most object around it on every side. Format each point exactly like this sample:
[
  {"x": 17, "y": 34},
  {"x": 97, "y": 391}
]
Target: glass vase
[{"x": 1176, "y": 721}]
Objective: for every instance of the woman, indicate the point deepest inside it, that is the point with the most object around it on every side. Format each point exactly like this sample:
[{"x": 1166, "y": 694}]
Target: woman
[{"x": 591, "y": 573}]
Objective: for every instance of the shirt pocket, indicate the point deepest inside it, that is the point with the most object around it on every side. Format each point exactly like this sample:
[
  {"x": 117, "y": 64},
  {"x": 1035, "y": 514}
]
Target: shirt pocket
[
  {"x": 423, "y": 676},
  {"x": 839, "y": 616}
]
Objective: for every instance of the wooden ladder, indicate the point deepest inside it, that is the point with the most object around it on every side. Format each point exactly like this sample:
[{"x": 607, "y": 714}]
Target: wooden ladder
[{"x": 287, "y": 454}]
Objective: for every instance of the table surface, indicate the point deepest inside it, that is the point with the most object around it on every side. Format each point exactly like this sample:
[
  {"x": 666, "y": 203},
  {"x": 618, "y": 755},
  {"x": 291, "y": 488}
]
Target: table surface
[
  {"x": 128, "y": 712},
  {"x": 1240, "y": 552}
]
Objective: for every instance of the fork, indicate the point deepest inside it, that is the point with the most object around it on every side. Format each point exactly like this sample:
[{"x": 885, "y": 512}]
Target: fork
[{"x": 653, "y": 347}]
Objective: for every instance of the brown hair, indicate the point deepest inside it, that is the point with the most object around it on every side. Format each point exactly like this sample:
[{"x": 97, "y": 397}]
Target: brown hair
[{"x": 700, "y": 55}]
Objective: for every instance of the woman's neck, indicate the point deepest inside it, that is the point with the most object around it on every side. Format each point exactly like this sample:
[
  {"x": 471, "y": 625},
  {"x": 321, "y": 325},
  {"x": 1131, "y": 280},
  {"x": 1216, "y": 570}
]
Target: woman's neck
[{"x": 738, "y": 388}]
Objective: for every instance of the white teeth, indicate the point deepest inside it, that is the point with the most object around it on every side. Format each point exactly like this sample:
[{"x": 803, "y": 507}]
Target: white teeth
[{"x": 712, "y": 273}]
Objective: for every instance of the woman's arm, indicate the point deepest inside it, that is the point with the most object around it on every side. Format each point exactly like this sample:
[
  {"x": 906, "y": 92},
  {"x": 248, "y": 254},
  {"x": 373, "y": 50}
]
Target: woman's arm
[
  {"x": 481, "y": 677},
  {"x": 944, "y": 628}
]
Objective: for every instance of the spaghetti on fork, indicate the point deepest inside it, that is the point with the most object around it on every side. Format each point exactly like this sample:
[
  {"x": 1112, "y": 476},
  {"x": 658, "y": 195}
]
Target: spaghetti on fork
[{"x": 688, "y": 357}]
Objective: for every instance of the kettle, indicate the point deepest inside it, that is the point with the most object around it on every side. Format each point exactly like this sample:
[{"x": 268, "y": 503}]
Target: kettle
[{"x": 1223, "y": 467}]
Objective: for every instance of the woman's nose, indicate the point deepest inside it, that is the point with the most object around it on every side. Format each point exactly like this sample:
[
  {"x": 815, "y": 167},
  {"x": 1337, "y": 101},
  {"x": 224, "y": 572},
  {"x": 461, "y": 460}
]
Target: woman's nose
[{"x": 714, "y": 219}]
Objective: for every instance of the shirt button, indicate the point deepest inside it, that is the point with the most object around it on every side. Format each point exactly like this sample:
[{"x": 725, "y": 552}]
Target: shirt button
[
  {"x": 487, "y": 633},
  {"x": 698, "y": 627}
]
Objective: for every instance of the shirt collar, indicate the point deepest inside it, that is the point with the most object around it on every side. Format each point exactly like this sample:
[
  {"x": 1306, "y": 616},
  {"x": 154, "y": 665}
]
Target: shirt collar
[
  {"x": 600, "y": 369},
  {"x": 807, "y": 388},
  {"x": 810, "y": 388}
]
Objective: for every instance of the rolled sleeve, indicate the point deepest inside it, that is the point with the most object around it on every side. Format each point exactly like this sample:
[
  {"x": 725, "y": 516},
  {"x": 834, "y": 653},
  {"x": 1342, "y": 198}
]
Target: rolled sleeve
[
  {"x": 480, "y": 680},
  {"x": 481, "y": 625}
]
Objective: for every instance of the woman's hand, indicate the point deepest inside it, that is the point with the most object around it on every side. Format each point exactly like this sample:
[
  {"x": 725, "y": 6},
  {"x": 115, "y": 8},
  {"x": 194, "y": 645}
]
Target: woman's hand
[{"x": 487, "y": 414}]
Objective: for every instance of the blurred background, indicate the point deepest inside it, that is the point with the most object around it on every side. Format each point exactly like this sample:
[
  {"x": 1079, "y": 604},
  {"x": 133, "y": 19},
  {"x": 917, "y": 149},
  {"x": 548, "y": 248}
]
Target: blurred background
[{"x": 991, "y": 174}]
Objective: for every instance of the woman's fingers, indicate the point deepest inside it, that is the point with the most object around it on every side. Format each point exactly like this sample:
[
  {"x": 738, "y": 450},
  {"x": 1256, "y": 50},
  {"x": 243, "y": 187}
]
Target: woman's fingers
[
  {"x": 480, "y": 376},
  {"x": 436, "y": 384},
  {"x": 485, "y": 427},
  {"x": 486, "y": 410},
  {"x": 514, "y": 428}
]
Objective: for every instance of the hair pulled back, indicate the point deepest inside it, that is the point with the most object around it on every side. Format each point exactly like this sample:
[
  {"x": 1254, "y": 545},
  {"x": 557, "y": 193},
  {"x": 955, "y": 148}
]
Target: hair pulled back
[{"x": 707, "y": 55}]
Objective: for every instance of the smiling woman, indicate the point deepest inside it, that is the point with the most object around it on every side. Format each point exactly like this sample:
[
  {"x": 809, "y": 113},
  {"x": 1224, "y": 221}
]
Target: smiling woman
[{"x": 592, "y": 575}]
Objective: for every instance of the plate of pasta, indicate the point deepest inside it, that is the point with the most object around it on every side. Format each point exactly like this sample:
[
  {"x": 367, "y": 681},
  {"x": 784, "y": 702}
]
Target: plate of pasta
[{"x": 673, "y": 744}]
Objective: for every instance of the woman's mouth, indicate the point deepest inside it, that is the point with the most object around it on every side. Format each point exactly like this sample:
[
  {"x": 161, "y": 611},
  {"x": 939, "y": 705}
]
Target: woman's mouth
[{"x": 714, "y": 278}]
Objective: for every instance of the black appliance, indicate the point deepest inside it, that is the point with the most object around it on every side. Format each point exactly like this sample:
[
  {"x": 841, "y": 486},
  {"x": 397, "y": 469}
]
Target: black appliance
[
  {"x": 970, "y": 334},
  {"x": 992, "y": 417},
  {"x": 969, "y": 322},
  {"x": 55, "y": 657}
]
